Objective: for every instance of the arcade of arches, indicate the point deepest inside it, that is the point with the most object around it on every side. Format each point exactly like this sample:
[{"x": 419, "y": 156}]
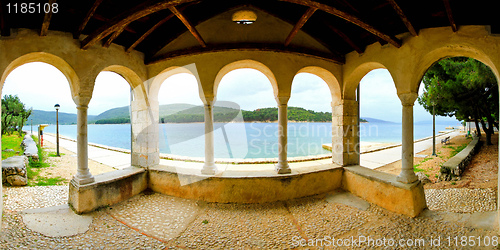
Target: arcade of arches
[{"x": 406, "y": 64}]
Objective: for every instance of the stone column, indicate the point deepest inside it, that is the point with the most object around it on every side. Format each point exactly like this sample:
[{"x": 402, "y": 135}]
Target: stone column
[
  {"x": 407, "y": 175},
  {"x": 145, "y": 133},
  {"x": 345, "y": 136},
  {"x": 209, "y": 167},
  {"x": 282, "y": 166},
  {"x": 83, "y": 175}
]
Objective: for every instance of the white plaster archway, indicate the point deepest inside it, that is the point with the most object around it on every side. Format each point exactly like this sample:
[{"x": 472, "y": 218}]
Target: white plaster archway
[
  {"x": 249, "y": 64},
  {"x": 352, "y": 81},
  {"x": 135, "y": 82},
  {"x": 328, "y": 77},
  {"x": 48, "y": 58},
  {"x": 438, "y": 54},
  {"x": 158, "y": 80}
]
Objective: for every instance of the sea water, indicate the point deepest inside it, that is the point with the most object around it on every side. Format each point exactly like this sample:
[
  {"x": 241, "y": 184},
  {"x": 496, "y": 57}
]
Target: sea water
[{"x": 245, "y": 140}]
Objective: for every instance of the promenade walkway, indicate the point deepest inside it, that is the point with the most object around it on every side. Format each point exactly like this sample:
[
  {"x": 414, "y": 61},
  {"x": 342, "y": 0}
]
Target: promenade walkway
[
  {"x": 119, "y": 160},
  {"x": 100, "y": 154},
  {"x": 383, "y": 157}
]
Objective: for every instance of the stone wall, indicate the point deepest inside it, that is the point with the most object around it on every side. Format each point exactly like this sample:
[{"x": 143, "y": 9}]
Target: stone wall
[
  {"x": 30, "y": 148},
  {"x": 455, "y": 166},
  {"x": 14, "y": 171}
]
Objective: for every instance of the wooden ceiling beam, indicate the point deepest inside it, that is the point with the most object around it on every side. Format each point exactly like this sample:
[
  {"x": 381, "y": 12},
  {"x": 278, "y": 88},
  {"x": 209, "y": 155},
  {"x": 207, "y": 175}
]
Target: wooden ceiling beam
[
  {"x": 303, "y": 19},
  {"x": 147, "y": 33},
  {"x": 105, "y": 19},
  {"x": 86, "y": 19},
  {"x": 248, "y": 47},
  {"x": 345, "y": 37},
  {"x": 348, "y": 17},
  {"x": 111, "y": 38},
  {"x": 449, "y": 13},
  {"x": 188, "y": 25},
  {"x": 126, "y": 18},
  {"x": 156, "y": 26},
  {"x": 403, "y": 17},
  {"x": 46, "y": 20}
]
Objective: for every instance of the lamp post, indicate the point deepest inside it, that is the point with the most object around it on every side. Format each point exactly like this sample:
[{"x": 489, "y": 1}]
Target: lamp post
[
  {"x": 434, "y": 129},
  {"x": 57, "y": 106},
  {"x": 468, "y": 134}
]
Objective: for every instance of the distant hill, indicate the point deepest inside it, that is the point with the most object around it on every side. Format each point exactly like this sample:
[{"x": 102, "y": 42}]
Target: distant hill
[
  {"x": 49, "y": 117},
  {"x": 181, "y": 113},
  {"x": 369, "y": 119},
  {"x": 439, "y": 121},
  {"x": 184, "y": 113}
]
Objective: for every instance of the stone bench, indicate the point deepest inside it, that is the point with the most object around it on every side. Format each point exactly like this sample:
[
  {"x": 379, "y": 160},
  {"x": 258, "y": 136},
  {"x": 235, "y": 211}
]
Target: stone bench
[
  {"x": 14, "y": 171},
  {"x": 30, "y": 148},
  {"x": 455, "y": 166}
]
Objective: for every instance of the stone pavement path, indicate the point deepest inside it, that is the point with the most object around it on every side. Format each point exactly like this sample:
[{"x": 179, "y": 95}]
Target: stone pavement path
[
  {"x": 156, "y": 221},
  {"x": 383, "y": 157},
  {"x": 107, "y": 157}
]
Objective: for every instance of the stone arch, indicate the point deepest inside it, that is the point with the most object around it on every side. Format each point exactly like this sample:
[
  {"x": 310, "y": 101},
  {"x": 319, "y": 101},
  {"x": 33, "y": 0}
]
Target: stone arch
[
  {"x": 135, "y": 82},
  {"x": 158, "y": 80},
  {"x": 328, "y": 77},
  {"x": 438, "y": 54},
  {"x": 352, "y": 81},
  {"x": 246, "y": 64},
  {"x": 59, "y": 63}
]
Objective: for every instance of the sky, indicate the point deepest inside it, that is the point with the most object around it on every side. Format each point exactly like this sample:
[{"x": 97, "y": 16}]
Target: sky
[{"x": 41, "y": 86}]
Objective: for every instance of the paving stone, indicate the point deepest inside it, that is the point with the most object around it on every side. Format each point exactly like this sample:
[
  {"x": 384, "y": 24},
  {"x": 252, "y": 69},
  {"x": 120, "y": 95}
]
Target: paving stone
[{"x": 156, "y": 221}]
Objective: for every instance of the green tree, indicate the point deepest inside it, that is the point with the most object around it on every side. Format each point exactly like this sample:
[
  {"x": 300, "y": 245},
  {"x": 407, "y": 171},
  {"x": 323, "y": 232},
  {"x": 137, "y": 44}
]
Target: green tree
[
  {"x": 14, "y": 114},
  {"x": 462, "y": 87}
]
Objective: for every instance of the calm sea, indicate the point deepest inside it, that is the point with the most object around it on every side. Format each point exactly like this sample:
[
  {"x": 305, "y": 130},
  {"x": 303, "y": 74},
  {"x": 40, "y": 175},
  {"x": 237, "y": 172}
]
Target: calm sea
[{"x": 245, "y": 140}]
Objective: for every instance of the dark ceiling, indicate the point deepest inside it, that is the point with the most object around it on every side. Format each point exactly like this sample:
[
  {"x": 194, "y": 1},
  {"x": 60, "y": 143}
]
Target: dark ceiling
[{"x": 341, "y": 26}]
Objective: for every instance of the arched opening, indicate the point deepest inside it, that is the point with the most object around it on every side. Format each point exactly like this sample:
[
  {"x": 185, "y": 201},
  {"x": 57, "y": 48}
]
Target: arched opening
[
  {"x": 309, "y": 116},
  {"x": 245, "y": 95},
  {"x": 463, "y": 89},
  {"x": 40, "y": 86},
  {"x": 380, "y": 111},
  {"x": 109, "y": 117},
  {"x": 181, "y": 116}
]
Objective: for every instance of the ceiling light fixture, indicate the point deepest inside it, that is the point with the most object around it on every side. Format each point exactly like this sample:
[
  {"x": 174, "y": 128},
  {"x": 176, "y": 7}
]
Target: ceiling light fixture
[{"x": 244, "y": 17}]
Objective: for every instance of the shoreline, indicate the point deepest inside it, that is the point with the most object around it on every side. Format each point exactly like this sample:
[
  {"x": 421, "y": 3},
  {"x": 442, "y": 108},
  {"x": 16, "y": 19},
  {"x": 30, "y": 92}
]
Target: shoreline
[{"x": 366, "y": 147}]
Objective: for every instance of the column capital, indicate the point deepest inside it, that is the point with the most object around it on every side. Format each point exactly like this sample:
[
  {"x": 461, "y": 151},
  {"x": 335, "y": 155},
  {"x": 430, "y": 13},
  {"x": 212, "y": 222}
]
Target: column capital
[
  {"x": 208, "y": 100},
  {"x": 82, "y": 106},
  {"x": 408, "y": 99},
  {"x": 82, "y": 100},
  {"x": 282, "y": 100}
]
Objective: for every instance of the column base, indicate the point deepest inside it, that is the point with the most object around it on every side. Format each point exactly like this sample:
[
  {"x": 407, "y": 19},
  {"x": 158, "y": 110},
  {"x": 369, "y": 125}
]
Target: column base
[
  {"x": 407, "y": 177},
  {"x": 210, "y": 169},
  {"x": 83, "y": 181},
  {"x": 282, "y": 168}
]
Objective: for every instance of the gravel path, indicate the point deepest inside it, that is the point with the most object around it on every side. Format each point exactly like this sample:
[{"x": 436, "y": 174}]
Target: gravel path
[
  {"x": 156, "y": 221},
  {"x": 462, "y": 200}
]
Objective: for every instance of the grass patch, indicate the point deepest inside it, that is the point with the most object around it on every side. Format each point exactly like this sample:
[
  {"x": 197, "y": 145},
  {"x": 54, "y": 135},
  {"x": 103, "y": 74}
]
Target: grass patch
[
  {"x": 54, "y": 154},
  {"x": 416, "y": 169},
  {"x": 456, "y": 150},
  {"x": 426, "y": 159},
  {"x": 49, "y": 181},
  {"x": 12, "y": 142},
  {"x": 34, "y": 169}
]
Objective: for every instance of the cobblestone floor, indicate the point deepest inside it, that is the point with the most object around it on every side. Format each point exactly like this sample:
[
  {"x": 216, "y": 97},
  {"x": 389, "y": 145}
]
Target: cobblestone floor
[{"x": 156, "y": 221}]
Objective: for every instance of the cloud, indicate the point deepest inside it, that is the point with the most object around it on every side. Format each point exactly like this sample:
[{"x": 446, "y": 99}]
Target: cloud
[
  {"x": 40, "y": 86},
  {"x": 110, "y": 91},
  {"x": 180, "y": 88}
]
